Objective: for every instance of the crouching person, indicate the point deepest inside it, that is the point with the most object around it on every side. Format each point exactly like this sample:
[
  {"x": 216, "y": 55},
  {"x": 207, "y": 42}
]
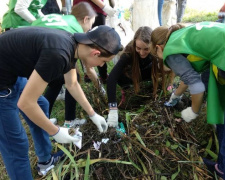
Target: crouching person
[{"x": 42, "y": 55}]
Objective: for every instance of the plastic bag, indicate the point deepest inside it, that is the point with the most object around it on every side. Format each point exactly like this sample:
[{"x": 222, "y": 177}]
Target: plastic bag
[{"x": 123, "y": 28}]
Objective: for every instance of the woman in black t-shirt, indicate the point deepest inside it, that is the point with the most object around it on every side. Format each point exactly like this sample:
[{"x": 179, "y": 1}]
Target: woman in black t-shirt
[{"x": 136, "y": 64}]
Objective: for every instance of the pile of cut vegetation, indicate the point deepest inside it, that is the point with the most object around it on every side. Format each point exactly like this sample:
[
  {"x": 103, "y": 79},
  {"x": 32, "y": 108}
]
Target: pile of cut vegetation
[{"x": 154, "y": 145}]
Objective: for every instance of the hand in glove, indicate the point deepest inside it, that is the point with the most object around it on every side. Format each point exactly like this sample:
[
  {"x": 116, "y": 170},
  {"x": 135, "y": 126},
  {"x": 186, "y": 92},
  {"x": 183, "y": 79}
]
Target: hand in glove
[
  {"x": 64, "y": 11},
  {"x": 100, "y": 122},
  {"x": 101, "y": 89},
  {"x": 62, "y": 136},
  {"x": 174, "y": 99},
  {"x": 112, "y": 120},
  {"x": 188, "y": 115},
  {"x": 109, "y": 11}
]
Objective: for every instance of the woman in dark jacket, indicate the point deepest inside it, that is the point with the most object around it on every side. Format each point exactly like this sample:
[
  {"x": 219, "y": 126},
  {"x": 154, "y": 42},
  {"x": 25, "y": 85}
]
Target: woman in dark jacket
[{"x": 136, "y": 64}]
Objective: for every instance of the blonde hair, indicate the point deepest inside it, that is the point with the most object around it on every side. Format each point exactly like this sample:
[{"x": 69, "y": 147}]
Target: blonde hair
[
  {"x": 83, "y": 9},
  {"x": 160, "y": 36}
]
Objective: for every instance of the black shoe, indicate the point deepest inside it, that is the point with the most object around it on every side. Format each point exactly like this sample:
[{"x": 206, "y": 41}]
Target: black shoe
[{"x": 212, "y": 167}]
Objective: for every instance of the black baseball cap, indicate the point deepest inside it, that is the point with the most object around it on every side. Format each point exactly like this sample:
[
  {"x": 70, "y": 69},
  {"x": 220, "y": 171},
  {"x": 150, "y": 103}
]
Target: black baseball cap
[{"x": 103, "y": 36}]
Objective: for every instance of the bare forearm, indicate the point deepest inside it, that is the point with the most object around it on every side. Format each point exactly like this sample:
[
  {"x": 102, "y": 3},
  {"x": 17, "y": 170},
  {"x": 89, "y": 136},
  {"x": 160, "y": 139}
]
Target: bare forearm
[
  {"x": 197, "y": 101},
  {"x": 37, "y": 116},
  {"x": 181, "y": 89},
  {"x": 21, "y": 8},
  {"x": 99, "y": 3},
  {"x": 93, "y": 76}
]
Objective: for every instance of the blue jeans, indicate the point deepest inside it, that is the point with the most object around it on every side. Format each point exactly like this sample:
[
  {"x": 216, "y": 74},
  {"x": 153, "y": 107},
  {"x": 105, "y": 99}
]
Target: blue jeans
[
  {"x": 220, "y": 129},
  {"x": 68, "y": 6},
  {"x": 160, "y": 6},
  {"x": 181, "y": 5},
  {"x": 14, "y": 144}
]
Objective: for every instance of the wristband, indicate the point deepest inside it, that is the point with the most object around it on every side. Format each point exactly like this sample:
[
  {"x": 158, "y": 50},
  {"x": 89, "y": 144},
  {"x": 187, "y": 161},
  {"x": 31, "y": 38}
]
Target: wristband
[{"x": 112, "y": 105}]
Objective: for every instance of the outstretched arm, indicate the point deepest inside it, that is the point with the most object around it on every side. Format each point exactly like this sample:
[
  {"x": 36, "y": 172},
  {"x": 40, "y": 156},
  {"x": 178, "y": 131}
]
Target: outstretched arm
[
  {"x": 105, "y": 7},
  {"x": 28, "y": 103},
  {"x": 181, "y": 89},
  {"x": 99, "y": 3},
  {"x": 93, "y": 76},
  {"x": 21, "y": 8},
  {"x": 182, "y": 67},
  {"x": 75, "y": 90}
]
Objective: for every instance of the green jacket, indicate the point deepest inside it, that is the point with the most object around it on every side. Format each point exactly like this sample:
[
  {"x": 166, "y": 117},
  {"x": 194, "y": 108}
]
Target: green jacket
[
  {"x": 205, "y": 40},
  {"x": 64, "y": 22},
  {"x": 13, "y": 20}
]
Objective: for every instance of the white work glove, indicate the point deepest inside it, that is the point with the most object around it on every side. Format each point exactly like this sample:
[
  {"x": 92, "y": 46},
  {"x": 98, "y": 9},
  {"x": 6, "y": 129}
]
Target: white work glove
[
  {"x": 64, "y": 11},
  {"x": 188, "y": 115},
  {"x": 174, "y": 99},
  {"x": 101, "y": 89},
  {"x": 62, "y": 136},
  {"x": 112, "y": 120},
  {"x": 100, "y": 122},
  {"x": 109, "y": 10}
]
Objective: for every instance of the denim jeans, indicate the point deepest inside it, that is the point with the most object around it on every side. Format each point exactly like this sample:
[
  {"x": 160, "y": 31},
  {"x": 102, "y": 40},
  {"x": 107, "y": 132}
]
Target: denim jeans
[
  {"x": 14, "y": 144},
  {"x": 220, "y": 129},
  {"x": 160, "y": 7},
  {"x": 68, "y": 6},
  {"x": 181, "y": 5}
]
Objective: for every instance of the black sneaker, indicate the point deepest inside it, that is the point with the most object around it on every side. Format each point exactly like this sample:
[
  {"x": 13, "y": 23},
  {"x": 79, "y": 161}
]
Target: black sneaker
[
  {"x": 213, "y": 167},
  {"x": 44, "y": 167}
]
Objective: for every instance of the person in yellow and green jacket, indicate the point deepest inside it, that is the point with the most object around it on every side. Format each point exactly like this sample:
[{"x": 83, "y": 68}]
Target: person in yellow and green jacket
[
  {"x": 188, "y": 52},
  {"x": 22, "y": 13}
]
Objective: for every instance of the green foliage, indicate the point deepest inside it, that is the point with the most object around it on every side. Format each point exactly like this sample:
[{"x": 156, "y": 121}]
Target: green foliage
[
  {"x": 193, "y": 16},
  {"x": 127, "y": 14}
]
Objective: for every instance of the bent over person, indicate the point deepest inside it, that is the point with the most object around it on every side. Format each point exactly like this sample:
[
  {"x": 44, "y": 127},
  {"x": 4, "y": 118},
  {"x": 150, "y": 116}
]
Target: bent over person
[
  {"x": 188, "y": 52},
  {"x": 42, "y": 55}
]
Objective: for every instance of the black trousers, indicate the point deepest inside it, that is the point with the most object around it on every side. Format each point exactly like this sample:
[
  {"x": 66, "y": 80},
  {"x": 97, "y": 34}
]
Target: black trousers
[
  {"x": 124, "y": 82},
  {"x": 51, "y": 7},
  {"x": 52, "y": 92}
]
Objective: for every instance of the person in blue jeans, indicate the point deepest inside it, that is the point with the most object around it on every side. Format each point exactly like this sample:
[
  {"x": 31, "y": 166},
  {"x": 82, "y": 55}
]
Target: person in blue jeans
[
  {"x": 43, "y": 147},
  {"x": 181, "y": 6},
  {"x": 160, "y": 7},
  {"x": 182, "y": 50},
  {"x": 42, "y": 55}
]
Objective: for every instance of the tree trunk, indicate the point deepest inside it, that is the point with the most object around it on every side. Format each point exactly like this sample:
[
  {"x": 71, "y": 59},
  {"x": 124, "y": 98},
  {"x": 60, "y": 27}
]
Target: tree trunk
[
  {"x": 169, "y": 16},
  {"x": 4, "y": 8},
  {"x": 145, "y": 13}
]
